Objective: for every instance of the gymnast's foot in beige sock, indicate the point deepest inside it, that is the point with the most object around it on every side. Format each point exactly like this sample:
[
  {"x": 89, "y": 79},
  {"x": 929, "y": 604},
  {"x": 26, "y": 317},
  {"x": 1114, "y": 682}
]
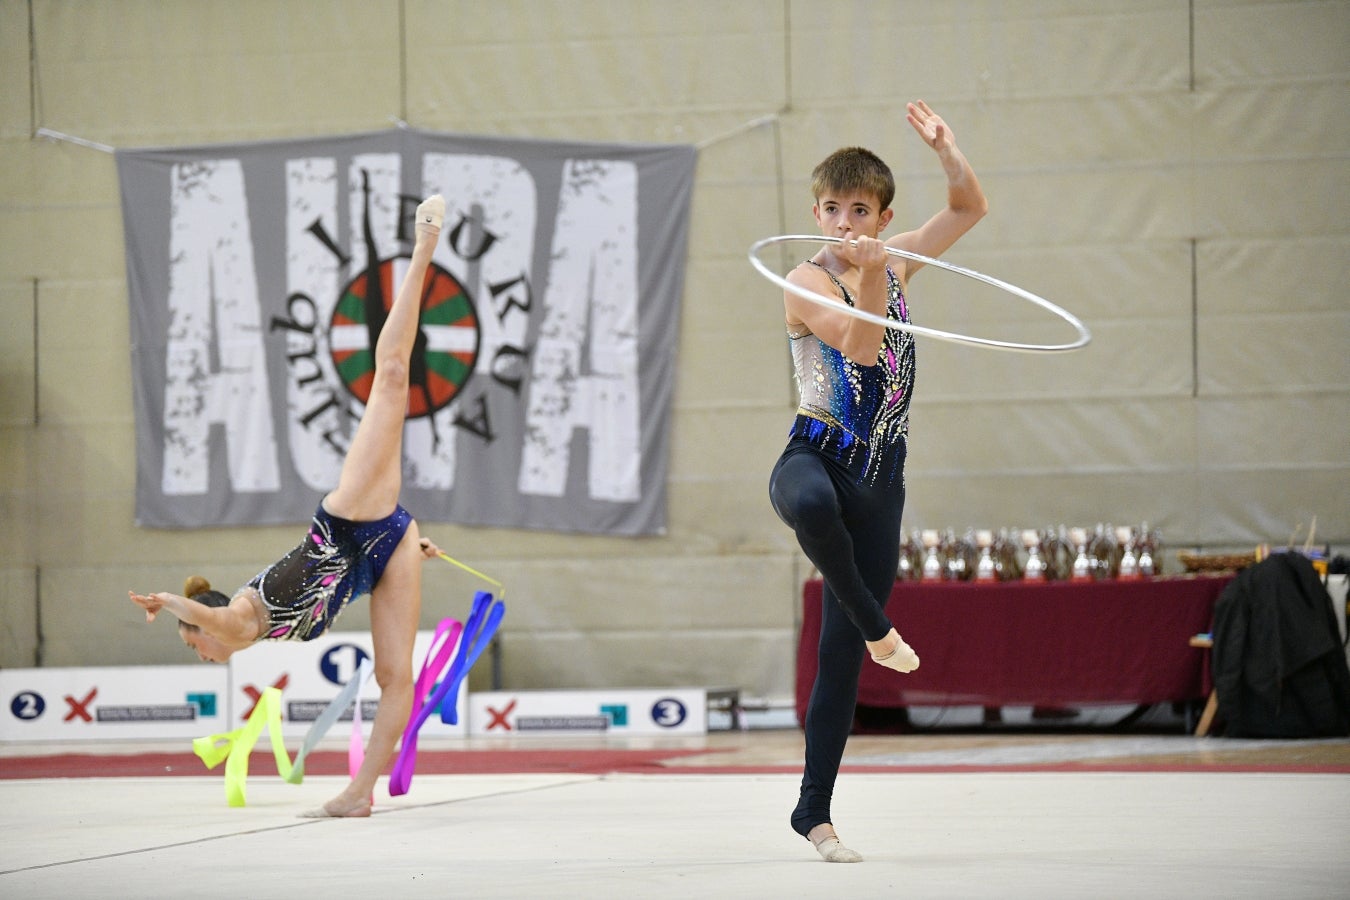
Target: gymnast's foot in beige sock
[
  {"x": 900, "y": 657},
  {"x": 340, "y": 807},
  {"x": 430, "y": 214},
  {"x": 827, "y": 844}
]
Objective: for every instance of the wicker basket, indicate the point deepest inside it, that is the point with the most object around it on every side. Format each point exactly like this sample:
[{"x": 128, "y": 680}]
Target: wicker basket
[{"x": 1216, "y": 562}]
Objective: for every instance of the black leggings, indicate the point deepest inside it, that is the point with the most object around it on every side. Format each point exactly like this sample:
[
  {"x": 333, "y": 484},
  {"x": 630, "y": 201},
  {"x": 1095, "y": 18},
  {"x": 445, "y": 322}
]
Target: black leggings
[{"x": 851, "y": 533}]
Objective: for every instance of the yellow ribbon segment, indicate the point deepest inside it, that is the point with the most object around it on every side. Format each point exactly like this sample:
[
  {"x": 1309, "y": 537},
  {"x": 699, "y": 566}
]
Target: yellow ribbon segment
[{"x": 235, "y": 747}]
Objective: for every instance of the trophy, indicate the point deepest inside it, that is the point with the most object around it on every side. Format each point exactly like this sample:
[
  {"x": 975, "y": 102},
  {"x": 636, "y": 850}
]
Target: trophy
[
  {"x": 1103, "y": 552},
  {"x": 908, "y": 567},
  {"x": 957, "y": 553},
  {"x": 986, "y": 570},
  {"x": 1006, "y": 562},
  {"x": 932, "y": 565},
  {"x": 1058, "y": 553},
  {"x": 1150, "y": 544},
  {"x": 1128, "y": 570},
  {"x": 1035, "y": 569},
  {"x": 1082, "y": 566}
]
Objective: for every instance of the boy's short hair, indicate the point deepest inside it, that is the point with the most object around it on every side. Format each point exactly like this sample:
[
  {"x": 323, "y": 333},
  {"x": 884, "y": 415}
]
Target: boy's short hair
[{"x": 854, "y": 169}]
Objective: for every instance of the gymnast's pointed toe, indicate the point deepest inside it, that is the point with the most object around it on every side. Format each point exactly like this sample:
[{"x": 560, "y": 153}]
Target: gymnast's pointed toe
[{"x": 431, "y": 212}]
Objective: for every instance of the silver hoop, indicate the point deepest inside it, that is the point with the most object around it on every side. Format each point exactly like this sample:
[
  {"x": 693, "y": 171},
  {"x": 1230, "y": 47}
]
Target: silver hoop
[{"x": 1084, "y": 336}]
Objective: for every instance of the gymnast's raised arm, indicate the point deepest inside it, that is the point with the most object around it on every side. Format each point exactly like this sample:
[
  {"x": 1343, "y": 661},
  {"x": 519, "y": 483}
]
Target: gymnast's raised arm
[{"x": 966, "y": 203}]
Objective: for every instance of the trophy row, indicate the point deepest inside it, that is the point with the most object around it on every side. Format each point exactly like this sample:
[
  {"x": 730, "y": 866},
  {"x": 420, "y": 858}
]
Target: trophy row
[{"x": 1050, "y": 554}]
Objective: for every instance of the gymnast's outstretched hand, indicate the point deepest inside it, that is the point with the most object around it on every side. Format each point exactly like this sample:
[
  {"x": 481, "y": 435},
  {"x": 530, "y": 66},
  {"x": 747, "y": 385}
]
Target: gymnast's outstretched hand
[
  {"x": 151, "y": 603},
  {"x": 185, "y": 610},
  {"x": 930, "y": 126},
  {"x": 429, "y": 549}
]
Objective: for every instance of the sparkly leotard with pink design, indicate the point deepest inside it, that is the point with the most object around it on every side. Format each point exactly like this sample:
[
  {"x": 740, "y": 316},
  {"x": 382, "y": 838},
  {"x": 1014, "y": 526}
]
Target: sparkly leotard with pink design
[{"x": 338, "y": 561}]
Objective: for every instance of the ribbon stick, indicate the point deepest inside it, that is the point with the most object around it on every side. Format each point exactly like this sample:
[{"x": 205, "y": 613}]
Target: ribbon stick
[
  {"x": 474, "y": 572},
  {"x": 470, "y": 648}
]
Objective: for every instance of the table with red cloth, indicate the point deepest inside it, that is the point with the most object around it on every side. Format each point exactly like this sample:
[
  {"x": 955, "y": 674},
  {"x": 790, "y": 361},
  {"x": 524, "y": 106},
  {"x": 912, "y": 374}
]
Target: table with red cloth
[{"x": 1034, "y": 644}]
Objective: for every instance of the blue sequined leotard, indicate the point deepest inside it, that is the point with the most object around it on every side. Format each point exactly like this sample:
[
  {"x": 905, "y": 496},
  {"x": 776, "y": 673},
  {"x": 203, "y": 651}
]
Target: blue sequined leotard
[
  {"x": 856, "y": 414},
  {"x": 338, "y": 561}
]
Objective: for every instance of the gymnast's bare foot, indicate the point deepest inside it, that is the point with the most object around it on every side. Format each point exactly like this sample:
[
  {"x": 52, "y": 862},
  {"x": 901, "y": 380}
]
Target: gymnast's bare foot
[{"x": 340, "y": 807}]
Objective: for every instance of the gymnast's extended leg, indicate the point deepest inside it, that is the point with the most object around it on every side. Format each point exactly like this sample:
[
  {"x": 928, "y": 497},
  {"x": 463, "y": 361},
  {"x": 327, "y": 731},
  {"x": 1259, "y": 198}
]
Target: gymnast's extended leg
[
  {"x": 368, "y": 490},
  {"x": 372, "y": 473}
]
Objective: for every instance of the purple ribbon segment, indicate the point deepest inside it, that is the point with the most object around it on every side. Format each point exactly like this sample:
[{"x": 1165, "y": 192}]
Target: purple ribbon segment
[{"x": 467, "y": 645}]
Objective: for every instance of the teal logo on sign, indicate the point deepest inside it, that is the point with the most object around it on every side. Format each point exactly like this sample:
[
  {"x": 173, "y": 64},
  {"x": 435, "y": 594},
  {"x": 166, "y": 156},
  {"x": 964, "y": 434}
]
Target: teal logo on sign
[
  {"x": 618, "y": 714},
  {"x": 205, "y": 703}
]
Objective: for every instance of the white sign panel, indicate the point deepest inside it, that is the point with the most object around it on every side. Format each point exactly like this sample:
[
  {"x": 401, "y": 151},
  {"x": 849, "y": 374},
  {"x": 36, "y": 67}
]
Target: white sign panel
[
  {"x": 619, "y": 712},
  {"x": 121, "y": 702}
]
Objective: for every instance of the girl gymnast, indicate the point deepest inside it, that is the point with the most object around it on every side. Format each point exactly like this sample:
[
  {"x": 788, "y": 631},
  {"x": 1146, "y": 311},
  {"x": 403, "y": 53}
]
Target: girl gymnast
[{"x": 360, "y": 541}]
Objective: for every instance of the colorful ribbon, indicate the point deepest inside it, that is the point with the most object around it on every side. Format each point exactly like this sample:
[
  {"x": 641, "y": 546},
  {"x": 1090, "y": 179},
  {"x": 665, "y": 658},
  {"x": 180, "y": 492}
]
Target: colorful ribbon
[
  {"x": 236, "y": 746},
  {"x": 443, "y": 643},
  {"x": 484, "y": 620},
  {"x": 429, "y": 694}
]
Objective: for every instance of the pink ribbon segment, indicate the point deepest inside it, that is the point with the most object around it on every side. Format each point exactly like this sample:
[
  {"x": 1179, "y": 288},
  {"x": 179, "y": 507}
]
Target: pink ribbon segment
[{"x": 438, "y": 657}]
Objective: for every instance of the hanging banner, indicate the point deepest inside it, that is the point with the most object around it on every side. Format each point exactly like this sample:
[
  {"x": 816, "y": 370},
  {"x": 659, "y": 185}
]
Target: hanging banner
[{"x": 259, "y": 275}]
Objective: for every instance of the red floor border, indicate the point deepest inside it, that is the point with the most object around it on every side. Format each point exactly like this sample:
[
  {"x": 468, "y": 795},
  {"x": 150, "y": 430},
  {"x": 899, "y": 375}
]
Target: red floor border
[{"x": 586, "y": 762}]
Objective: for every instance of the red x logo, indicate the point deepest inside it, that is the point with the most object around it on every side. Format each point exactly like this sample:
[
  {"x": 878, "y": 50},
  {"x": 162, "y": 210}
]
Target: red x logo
[
  {"x": 81, "y": 707},
  {"x": 499, "y": 718},
  {"x": 255, "y": 695}
]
